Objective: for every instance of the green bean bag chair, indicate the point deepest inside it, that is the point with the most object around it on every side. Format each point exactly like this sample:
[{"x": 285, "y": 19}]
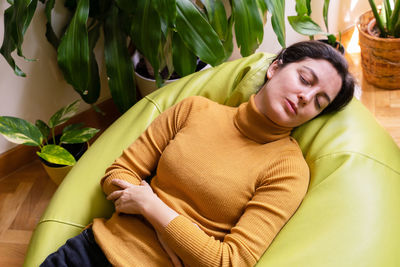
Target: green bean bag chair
[{"x": 349, "y": 217}]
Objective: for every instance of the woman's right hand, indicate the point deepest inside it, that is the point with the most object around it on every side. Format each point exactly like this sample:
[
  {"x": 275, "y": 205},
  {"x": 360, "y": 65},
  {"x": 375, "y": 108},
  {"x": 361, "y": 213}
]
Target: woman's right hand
[{"x": 174, "y": 258}]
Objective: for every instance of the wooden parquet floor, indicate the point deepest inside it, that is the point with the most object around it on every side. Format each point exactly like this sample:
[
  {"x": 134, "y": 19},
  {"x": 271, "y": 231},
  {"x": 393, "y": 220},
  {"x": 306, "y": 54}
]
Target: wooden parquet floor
[
  {"x": 24, "y": 196},
  {"x": 25, "y": 193},
  {"x": 384, "y": 104}
]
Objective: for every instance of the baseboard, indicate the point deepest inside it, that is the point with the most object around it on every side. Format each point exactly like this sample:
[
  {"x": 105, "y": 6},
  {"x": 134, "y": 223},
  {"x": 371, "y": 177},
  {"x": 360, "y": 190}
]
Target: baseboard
[{"x": 21, "y": 155}]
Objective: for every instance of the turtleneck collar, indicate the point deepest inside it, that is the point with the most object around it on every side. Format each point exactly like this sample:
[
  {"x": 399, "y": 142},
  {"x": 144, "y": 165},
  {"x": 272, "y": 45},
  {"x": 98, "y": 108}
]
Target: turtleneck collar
[{"x": 256, "y": 126}]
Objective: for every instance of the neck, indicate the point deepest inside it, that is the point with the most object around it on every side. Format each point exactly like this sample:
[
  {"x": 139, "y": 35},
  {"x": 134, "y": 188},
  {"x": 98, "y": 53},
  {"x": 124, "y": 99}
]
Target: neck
[{"x": 256, "y": 126}]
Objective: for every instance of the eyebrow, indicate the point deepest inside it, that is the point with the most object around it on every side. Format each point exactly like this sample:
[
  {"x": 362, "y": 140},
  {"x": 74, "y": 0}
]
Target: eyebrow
[{"x": 315, "y": 79}]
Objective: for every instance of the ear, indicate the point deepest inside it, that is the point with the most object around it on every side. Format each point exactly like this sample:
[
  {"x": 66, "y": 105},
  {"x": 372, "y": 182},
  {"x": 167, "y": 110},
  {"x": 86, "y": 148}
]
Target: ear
[{"x": 272, "y": 69}]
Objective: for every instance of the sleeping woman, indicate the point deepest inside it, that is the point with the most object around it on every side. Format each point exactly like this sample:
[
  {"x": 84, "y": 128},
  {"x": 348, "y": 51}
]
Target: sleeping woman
[{"x": 227, "y": 179}]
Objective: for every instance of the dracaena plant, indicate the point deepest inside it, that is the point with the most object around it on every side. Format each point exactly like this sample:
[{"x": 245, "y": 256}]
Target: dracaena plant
[
  {"x": 42, "y": 134},
  {"x": 388, "y": 20},
  {"x": 303, "y": 23},
  {"x": 172, "y": 33}
]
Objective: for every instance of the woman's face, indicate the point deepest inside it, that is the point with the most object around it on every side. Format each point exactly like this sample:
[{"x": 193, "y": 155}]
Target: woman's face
[{"x": 298, "y": 92}]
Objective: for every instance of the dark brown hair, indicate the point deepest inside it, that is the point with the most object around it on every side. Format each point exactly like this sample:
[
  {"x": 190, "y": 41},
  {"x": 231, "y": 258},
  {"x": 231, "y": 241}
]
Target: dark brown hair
[{"x": 319, "y": 50}]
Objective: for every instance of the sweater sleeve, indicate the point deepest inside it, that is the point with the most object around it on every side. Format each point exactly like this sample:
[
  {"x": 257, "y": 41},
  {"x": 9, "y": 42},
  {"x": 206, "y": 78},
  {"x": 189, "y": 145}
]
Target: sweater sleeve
[
  {"x": 275, "y": 200},
  {"x": 139, "y": 160}
]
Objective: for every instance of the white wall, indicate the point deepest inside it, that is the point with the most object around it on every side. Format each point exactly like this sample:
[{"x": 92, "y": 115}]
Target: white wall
[{"x": 44, "y": 90}]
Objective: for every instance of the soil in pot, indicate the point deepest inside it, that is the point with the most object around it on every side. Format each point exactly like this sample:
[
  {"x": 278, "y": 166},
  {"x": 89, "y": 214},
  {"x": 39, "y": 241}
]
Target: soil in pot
[
  {"x": 142, "y": 70},
  {"x": 338, "y": 46}
]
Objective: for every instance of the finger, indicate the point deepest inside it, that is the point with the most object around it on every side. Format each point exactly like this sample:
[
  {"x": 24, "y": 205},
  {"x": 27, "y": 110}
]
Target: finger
[
  {"x": 121, "y": 183},
  {"x": 114, "y": 195},
  {"x": 144, "y": 183}
]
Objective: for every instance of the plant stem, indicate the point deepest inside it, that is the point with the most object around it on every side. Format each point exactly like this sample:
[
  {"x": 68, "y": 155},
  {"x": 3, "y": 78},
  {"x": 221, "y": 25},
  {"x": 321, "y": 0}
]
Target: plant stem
[
  {"x": 54, "y": 138},
  {"x": 395, "y": 19},
  {"x": 377, "y": 18}
]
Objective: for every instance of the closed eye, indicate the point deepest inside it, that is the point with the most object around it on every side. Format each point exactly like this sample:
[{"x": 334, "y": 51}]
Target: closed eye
[
  {"x": 304, "y": 80},
  {"x": 317, "y": 103},
  {"x": 322, "y": 98}
]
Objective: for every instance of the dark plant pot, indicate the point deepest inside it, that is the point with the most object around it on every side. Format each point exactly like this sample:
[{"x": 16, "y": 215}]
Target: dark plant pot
[
  {"x": 338, "y": 46},
  {"x": 57, "y": 172},
  {"x": 76, "y": 150},
  {"x": 141, "y": 69},
  {"x": 145, "y": 81}
]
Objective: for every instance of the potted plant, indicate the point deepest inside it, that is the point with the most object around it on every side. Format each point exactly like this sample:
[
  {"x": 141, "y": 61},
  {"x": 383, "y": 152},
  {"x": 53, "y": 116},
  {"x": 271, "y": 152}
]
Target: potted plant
[
  {"x": 379, "y": 38},
  {"x": 172, "y": 33},
  {"x": 303, "y": 24},
  {"x": 57, "y": 153}
]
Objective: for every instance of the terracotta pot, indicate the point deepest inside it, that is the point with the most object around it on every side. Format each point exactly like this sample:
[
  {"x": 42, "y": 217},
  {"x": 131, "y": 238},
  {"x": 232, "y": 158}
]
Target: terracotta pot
[
  {"x": 57, "y": 172},
  {"x": 380, "y": 57}
]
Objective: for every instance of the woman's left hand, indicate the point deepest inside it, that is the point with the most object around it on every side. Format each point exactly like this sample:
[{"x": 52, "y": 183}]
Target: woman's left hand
[{"x": 132, "y": 199}]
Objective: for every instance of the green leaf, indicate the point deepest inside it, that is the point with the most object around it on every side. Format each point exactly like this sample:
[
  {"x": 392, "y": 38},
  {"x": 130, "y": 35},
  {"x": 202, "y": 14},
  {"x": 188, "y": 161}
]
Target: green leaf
[
  {"x": 24, "y": 10},
  {"x": 302, "y": 7},
  {"x": 57, "y": 155},
  {"x": 305, "y": 25},
  {"x": 16, "y": 21},
  {"x": 395, "y": 19},
  {"x": 63, "y": 114},
  {"x": 184, "y": 60},
  {"x": 93, "y": 90},
  {"x": 249, "y": 28},
  {"x": 308, "y": 3},
  {"x": 209, "y": 6},
  {"x": 118, "y": 63},
  {"x": 219, "y": 20},
  {"x": 325, "y": 13},
  {"x": 75, "y": 136},
  {"x": 20, "y": 131},
  {"x": 228, "y": 43},
  {"x": 166, "y": 51},
  {"x": 43, "y": 127},
  {"x": 166, "y": 9},
  {"x": 148, "y": 41},
  {"x": 197, "y": 34},
  {"x": 50, "y": 34},
  {"x": 262, "y": 6},
  {"x": 277, "y": 9},
  {"x": 73, "y": 51},
  {"x": 73, "y": 127},
  {"x": 9, "y": 45},
  {"x": 331, "y": 39}
]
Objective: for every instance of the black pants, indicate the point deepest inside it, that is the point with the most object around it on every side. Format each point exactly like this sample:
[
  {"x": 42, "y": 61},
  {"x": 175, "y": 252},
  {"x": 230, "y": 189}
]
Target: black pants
[{"x": 81, "y": 250}]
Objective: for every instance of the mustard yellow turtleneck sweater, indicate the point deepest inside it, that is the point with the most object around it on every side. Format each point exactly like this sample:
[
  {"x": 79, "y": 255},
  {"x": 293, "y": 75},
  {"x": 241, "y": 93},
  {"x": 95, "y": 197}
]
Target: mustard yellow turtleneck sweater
[{"x": 233, "y": 175}]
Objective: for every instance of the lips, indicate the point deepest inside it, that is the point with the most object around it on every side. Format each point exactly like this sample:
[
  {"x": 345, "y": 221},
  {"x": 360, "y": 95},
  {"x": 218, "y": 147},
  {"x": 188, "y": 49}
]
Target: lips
[{"x": 292, "y": 107}]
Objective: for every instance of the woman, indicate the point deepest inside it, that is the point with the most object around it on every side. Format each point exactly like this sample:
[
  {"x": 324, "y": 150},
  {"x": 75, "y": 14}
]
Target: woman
[{"x": 227, "y": 179}]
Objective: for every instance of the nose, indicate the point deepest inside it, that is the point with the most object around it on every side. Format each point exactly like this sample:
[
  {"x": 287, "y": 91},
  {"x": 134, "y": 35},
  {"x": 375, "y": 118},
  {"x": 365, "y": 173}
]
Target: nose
[{"x": 306, "y": 96}]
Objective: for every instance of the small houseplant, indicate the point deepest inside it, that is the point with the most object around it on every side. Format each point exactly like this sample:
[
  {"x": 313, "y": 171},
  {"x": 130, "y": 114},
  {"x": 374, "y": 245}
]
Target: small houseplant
[
  {"x": 303, "y": 23},
  {"x": 379, "y": 38},
  {"x": 52, "y": 149},
  {"x": 172, "y": 33}
]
